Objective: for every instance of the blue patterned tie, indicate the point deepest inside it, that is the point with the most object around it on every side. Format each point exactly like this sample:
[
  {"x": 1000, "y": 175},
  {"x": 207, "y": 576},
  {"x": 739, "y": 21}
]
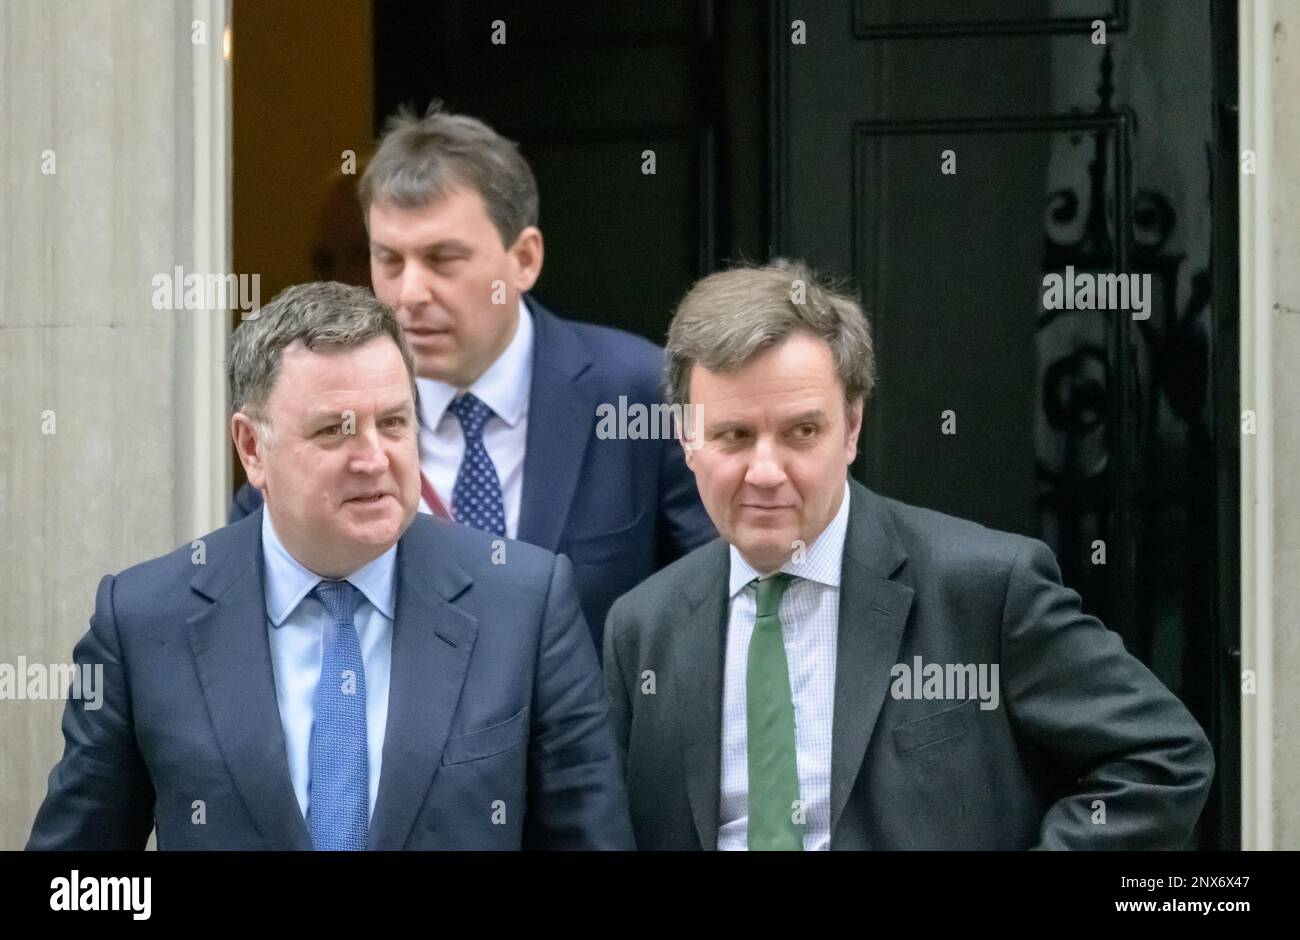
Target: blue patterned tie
[
  {"x": 338, "y": 802},
  {"x": 476, "y": 497}
]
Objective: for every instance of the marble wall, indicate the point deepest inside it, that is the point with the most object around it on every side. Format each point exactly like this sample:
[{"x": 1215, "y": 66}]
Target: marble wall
[
  {"x": 100, "y": 94},
  {"x": 1285, "y": 179}
]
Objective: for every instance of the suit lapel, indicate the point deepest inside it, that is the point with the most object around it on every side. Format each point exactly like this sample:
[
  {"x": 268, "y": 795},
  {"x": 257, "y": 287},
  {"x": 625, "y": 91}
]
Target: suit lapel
[
  {"x": 233, "y": 658},
  {"x": 561, "y": 417},
  {"x": 698, "y": 672},
  {"x": 872, "y": 615},
  {"x": 432, "y": 643}
]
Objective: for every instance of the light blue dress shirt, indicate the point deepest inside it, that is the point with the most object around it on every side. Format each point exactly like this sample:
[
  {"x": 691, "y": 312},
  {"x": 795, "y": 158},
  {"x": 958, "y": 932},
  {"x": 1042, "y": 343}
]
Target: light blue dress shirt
[{"x": 298, "y": 627}]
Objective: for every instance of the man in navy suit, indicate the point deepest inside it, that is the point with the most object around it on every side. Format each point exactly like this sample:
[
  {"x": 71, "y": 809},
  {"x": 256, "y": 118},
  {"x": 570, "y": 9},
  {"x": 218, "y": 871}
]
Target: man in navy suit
[
  {"x": 509, "y": 393},
  {"x": 337, "y": 671}
]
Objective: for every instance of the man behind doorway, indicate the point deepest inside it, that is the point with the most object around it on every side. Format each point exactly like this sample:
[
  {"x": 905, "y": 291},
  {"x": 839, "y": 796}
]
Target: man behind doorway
[{"x": 509, "y": 392}]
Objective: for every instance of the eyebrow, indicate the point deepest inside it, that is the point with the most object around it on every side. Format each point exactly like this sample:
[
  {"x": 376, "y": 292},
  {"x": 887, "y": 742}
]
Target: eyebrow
[
  {"x": 446, "y": 244},
  {"x": 401, "y": 407},
  {"x": 724, "y": 426},
  {"x": 812, "y": 414},
  {"x": 321, "y": 416},
  {"x": 334, "y": 414}
]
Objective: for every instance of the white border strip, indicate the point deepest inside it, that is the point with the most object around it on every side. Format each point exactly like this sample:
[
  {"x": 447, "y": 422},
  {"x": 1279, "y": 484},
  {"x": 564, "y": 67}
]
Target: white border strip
[
  {"x": 1256, "y": 133},
  {"x": 200, "y": 366}
]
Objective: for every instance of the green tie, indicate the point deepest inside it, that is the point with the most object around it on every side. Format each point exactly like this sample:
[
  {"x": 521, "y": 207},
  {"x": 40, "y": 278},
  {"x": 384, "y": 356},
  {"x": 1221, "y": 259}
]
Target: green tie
[{"x": 769, "y": 714}]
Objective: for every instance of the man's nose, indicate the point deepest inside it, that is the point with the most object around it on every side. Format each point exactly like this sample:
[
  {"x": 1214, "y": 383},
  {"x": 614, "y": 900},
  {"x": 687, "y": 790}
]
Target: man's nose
[
  {"x": 413, "y": 290},
  {"x": 368, "y": 454},
  {"x": 765, "y": 468}
]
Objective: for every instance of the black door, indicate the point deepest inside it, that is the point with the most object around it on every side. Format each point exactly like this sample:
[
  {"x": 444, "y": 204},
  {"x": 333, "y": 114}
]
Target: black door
[{"x": 948, "y": 157}]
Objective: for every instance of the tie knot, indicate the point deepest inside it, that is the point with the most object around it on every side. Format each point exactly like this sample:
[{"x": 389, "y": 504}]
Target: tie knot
[
  {"x": 340, "y": 598},
  {"x": 770, "y": 591},
  {"x": 472, "y": 414}
]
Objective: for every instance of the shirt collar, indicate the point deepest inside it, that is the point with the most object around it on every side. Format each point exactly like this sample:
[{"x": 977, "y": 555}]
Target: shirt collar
[
  {"x": 288, "y": 581},
  {"x": 503, "y": 387},
  {"x": 822, "y": 562}
]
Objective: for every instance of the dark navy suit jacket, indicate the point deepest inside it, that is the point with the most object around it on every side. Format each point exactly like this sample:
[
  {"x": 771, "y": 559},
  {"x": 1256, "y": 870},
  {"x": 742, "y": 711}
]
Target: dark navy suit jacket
[
  {"x": 498, "y": 733},
  {"x": 619, "y": 509}
]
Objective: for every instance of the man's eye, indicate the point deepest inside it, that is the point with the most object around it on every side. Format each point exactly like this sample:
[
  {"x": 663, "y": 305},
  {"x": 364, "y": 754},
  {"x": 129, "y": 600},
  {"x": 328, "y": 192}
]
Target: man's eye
[
  {"x": 331, "y": 431},
  {"x": 396, "y": 421},
  {"x": 805, "y": 430}
]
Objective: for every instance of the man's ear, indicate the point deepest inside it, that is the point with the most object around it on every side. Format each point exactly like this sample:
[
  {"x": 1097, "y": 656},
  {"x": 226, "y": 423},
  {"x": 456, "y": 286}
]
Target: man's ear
[
  {"x": 251, "y": 451},
  {"x": 688, "y": 452},
  {"x": 527, "y": 253},
  {"x": 690, "y": 432},
  {"x": 854, "y": 420}
]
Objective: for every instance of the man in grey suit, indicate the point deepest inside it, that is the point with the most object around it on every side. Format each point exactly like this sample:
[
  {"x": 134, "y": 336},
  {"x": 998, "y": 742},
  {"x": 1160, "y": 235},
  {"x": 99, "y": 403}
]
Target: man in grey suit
[
  {"x": 843, "y": 671},
  {"x": 337, "y": 671}
]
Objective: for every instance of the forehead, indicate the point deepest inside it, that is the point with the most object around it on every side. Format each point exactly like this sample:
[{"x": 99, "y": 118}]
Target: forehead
[
  {"x": 784, "y": 377},
  {"x": 460, "y": 214},
  {"x": 372, "y": 369}
]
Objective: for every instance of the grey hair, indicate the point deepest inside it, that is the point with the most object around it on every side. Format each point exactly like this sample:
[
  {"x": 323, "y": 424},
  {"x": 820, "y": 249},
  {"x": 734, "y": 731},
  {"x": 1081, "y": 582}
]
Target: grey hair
[
  {"x": 321, "y": 314},
  {"x": 420, "y": 160},
  {"x": 732, "y": 316}
]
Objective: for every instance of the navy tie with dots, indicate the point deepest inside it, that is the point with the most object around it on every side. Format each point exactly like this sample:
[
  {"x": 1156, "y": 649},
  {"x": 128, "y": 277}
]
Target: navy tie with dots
[
  {"x": 476, "y": 498},
  {"x": 338, "y": 803}
]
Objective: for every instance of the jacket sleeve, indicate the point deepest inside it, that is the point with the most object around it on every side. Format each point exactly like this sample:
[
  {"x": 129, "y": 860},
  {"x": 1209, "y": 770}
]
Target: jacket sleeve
[
  {"x": 616, "y": 685},
  {"x": 1143, "y": 765},
  {"x": 576, "y": 795},
  {"x": 100, "y": 796}
]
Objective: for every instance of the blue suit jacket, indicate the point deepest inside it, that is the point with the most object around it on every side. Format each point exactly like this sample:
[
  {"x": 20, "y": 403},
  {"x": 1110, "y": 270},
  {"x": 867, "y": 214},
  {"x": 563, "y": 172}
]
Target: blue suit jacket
[
  {"x": 619, "y": 509},
  {"x": 498, "y": 732}
]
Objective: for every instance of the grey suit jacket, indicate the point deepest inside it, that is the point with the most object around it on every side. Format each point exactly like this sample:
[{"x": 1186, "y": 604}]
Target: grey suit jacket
[{"x": 1086, "y": 748}]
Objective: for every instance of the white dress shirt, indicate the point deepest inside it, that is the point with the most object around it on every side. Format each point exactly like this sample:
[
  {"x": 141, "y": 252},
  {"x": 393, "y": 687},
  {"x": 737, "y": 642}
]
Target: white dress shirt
[
  {"x": 504, "y": 388},
  {"x": 299, "y": 626},
  {"x": 809, "y": 622}
]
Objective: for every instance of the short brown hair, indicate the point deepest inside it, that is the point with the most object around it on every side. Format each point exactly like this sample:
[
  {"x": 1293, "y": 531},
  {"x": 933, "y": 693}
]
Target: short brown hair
[
  {"x": 324, "y": 313},
  {"x": 420, "y": 160},
  {"x": 730, "y": 317}
]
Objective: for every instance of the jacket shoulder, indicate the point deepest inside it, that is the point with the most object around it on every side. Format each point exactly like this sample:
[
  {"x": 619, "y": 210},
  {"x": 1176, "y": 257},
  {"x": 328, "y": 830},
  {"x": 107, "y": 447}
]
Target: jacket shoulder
[
  {"x": 663, "y": 590},
  {"x": 949, "y": 543},
  {"x": 624, "y": 345},
  {"x": 480, "y": 553},
  {"x": 631, "y": 364},
  {"x": 160, "y": 586}
]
